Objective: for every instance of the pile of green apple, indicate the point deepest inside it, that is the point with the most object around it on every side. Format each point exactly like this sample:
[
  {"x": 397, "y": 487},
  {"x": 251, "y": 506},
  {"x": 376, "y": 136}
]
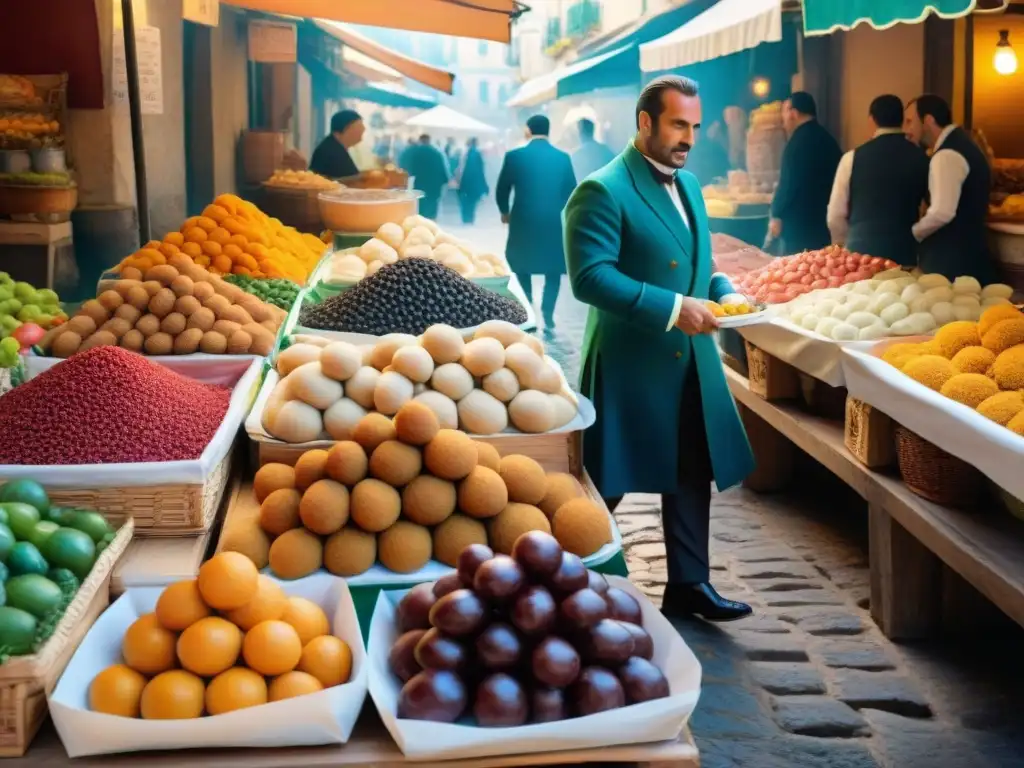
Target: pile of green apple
[{"x": 25, "y": 315}]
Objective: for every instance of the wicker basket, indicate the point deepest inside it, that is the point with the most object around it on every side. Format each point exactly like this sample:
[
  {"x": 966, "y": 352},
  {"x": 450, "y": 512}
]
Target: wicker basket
[
  {"x": 158, "y": 510},
  {"x": 935, "y": 475},
  {"x": 25, "y": 681}
]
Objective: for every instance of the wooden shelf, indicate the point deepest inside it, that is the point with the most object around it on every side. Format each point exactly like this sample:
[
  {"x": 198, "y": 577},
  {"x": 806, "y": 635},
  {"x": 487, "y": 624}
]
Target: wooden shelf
[{"x": 987, "y": 550}]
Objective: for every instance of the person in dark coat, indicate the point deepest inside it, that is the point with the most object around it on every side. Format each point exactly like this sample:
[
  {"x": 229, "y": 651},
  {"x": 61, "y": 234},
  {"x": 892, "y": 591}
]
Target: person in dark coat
[
  {"x": 472, "y": 182},
  {"x": 952, "y": 231},
  {"x": 592, "y": 155},
  {"x": 709, "y": 159},
  {"x": 879, "y": 187},
  {"x": 428, "y": 167},
  {"x": 638, "y": 249},
  {"x": 331, "y": 158},
  {"x": 539, "y": 179},
  {"x": 809, "y": 162}
]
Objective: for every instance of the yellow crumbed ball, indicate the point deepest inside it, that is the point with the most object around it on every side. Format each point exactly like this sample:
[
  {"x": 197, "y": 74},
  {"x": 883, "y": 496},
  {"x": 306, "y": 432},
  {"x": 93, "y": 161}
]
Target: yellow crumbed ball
[
  {"x": 995, "y": 314},
  {"x": 931, "y": 370},
  {"x": 897, "y": 355},
  {"x": 1008, "y": 368},
  {"x": 1016, "y": 424},
  {"x": 930, "y": 347},
  {"x": 973, "y": 360},
  {"x": 971, "y": 389},
  {"x": 953, "y": 337},
  {"x": 1002, "y": 407},
  {"x": 1004, "y": 334}
]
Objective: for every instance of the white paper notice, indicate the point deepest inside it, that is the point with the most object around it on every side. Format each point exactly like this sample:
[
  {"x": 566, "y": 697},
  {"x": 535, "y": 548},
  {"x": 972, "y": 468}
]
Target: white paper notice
[{"x": 151, "y": 81}]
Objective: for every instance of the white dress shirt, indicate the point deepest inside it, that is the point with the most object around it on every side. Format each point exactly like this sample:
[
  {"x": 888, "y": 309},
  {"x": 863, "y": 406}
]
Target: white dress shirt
[
  {"x": 947, "y": 172},
  {"x": 839, "y": 202}
]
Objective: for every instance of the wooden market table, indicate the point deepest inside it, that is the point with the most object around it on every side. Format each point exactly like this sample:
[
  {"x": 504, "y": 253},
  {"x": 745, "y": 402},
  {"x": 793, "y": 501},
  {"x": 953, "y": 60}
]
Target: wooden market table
[
  {"x": 370, "y": 745},
  {"x": 909, "y": 538}
]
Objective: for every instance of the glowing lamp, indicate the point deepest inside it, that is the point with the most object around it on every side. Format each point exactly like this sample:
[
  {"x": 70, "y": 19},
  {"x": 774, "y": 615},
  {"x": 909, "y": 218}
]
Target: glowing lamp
[
  {"x": 760, "y": 87},
  {"x": 1005, "y": 60}
]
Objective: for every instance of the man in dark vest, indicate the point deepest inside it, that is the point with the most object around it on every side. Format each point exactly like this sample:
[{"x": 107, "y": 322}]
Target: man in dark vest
[
  {"x": 952, "y": 231},
  {"x": 805, "y": 181},
  {"x": 879, "y": 188}
]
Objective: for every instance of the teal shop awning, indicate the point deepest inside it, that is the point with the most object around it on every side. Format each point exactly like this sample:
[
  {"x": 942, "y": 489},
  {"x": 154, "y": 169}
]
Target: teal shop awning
[
  {"x": 387, "y": 96},
  {"x": 545, "y": 88},
  {"x": 822, "y": 17}
]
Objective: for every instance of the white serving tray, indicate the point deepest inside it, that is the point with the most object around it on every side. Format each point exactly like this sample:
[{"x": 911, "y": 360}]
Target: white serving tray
[
  {"x": 326, "y": 717},
  {"x": 658, "y": 720}
]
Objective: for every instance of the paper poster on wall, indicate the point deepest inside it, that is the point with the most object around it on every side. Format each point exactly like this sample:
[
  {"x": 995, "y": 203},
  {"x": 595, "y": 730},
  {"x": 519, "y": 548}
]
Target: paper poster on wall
[
  {"x": 273, "y": 42},
  {"x": 150, "y": 68}
]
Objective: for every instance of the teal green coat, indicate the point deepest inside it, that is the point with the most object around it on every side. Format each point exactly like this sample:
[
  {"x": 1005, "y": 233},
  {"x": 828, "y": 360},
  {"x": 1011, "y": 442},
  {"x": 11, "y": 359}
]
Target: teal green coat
[{"x": 628, "y": 254}]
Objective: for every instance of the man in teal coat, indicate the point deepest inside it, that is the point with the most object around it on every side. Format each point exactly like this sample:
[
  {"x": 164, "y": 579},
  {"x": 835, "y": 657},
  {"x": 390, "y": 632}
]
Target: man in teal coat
[{"x": 638, "y": 251}]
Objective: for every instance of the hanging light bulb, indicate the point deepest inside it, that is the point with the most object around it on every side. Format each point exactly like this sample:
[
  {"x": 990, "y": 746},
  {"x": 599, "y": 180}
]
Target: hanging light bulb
[
  {"x": 760, "y": 87},
  {"x": 1005, "y": 60}
]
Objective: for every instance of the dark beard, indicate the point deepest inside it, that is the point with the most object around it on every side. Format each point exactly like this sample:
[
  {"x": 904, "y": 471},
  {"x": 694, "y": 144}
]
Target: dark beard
[{"x": 663, "y": 154}]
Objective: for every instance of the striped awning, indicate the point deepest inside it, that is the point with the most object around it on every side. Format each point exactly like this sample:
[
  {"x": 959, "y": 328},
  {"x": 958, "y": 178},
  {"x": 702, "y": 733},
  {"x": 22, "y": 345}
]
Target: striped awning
[{"x": 823, "y": 17}]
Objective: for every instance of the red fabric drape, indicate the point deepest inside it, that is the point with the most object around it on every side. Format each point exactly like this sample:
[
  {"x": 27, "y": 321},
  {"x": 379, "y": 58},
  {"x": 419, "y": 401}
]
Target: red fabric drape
[{"x": 44, "y": 37}]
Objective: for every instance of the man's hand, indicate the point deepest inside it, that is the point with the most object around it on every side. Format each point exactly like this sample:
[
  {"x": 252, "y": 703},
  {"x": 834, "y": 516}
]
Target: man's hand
[
  {"x": 504, "y": 218},
  {"x": 775, "y": 227},
  {"x": 695, "y": 318}
]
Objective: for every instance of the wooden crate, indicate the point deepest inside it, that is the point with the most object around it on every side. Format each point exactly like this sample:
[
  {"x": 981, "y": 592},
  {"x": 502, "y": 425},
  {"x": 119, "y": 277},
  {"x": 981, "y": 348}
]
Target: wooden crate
[
  {"x": 158, "y": 510},
  {"x": 25, "y": 681},
  {"x": 770, "y": 378},
  {"x": 157, "y": 561},
  {"x": 558, "y": 452},
  {"x": 869, "y": 435}
]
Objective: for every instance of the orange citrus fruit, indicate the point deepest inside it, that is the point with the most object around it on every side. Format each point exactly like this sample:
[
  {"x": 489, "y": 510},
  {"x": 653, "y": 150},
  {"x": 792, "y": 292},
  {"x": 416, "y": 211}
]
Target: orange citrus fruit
[
  {"x": 307, "y": 617},
  {"x": 117, "y": 690},
  {"x": 220, "y": 236},
  {"x": 205, "y": 222},
  {"x": 209, "y": 646},
  {"x": 147, "y": 647},
  {"x": 240, "y": 241},
  {"x": 221, "y": 262},
  {"x": 272, "y": 648},
  {"x": 174, "y": 238},
  {"x": 180, "y": 606},
  {"x": 228, "y": 581},
  {"x": 211, "y": 249},
  {"x": 192, "y": 250},
  {"x": 292, "y": 684},
  {"x": 266, "y": 605},
  {"x": 328, "y": 659},
  {"x": 215, "y": 212},
  {"x": 235, "y": 688},
  {"x": 195, "y": 235},
  {"x": 232, "y": 251},
  {"x": 174, "y": 695}
]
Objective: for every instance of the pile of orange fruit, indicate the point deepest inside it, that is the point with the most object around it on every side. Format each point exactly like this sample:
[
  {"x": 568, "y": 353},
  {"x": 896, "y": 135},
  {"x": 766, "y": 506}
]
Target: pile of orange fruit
[
  {"x": 28, "y": 125},
  {"x": 730, "y": 310},
  {"x": 227, "y": 640},
  {"x": 234, "y": 237}
]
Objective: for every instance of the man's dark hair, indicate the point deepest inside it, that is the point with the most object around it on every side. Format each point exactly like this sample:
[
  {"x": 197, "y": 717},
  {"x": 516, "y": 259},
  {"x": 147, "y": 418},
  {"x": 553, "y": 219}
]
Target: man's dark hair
[
  {"x": 539, "y": 125},
  {"x": 887, "y": 111},
  {"x": 804, "y": 103},
  {"x": 424, "y": 138},
  {"x": 342, "y": 120},
  {"x": 586, "y": 128},
  {"x": 936, "y": 106},
  {"x": 652, "y": 99}
]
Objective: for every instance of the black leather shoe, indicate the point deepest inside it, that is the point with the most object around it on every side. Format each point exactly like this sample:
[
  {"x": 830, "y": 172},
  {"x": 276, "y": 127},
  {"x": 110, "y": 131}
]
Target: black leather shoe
[{"x": 702, "y": 600}]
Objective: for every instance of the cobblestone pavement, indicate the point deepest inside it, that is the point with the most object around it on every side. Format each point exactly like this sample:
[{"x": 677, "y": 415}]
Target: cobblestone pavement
[{"x": 809, "y": 681}]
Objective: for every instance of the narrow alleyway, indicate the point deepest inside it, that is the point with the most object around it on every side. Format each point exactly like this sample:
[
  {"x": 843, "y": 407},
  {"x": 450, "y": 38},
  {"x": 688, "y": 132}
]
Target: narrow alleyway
[{"x": 809, "y": 681}]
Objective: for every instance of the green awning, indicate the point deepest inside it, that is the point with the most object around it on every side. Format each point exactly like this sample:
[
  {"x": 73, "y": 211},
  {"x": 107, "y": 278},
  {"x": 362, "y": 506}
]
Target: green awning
[{"x": 822, "y": 17}]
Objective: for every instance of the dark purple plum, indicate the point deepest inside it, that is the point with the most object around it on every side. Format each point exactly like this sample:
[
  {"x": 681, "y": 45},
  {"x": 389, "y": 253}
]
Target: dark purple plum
[
  {"x": 413, "y": 611},
  {"x": 597, "y": 582},
  {"x": 583, "y": 609},
  {"x": 570, "y": 577},
  {"x": 643, "y": 643},
  {"x": 555, "y": 663},
  {"x": 534, "y": 611},
  {"x": 623, "y": 606},
  {"x": 499, "y": 579},
  {"x": 642, "y": 681},
  {"x": 548, "y": 705},
  {"x": 458, "y": 613},
  {"x": 538, "y": 553},
  {"x": 607, "y": 642},
  {"x": 435, "y": 695},
  {"x": 437, "y": 651},
  {"x": 470, "y": 559},
  {"x": 596, "y": 690},
  {"x": 402, "y": 657},
  {"x": 500, "y": 702},
  {"x": 498, "y": 647},
  {"x": 447, "y": 584}
]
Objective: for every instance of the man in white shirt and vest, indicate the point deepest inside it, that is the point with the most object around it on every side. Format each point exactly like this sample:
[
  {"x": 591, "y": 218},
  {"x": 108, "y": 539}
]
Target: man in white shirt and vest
[
  {"x": 878, "y": 189},
  {"x": 952, "y": 231},
  {"x": 638, "y": 251}
]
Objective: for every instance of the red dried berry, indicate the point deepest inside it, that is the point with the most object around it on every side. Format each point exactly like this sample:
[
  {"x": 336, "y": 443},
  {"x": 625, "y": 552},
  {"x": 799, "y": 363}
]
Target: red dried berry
[{"x": 108, "y": 406}]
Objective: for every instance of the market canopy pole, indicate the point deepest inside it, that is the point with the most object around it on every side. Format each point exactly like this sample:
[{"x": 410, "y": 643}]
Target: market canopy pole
[
  {"x": 131, "y": 62},
  {"x": 480, "y": 19}
]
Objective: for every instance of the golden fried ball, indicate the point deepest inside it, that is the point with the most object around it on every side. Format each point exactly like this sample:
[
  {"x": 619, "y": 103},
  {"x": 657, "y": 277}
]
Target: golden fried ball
[
  {"x": 310, "y": 467},
  {"x": 971, "y": 389},
  {"x": 404, "y": 547},
  {"x": 346, "y": 462},
  {"x": 428, "y": 500},
  {"x": 350, "y": 552},
  {"x": 416, "y": 424},
  {"x": 296, "y": 553},
  {"x": 973, "y": 360},
  {"x": 272, "y": 477},
  {"x": 372, "y": 430},
  {"x": 581, "y": 527},
  {"x": 454, "y": 535},
  {"x": 374, "y": 506},
  {"x": 931, "y": 370},
  {"x": 952, "y": 337},
  {"x": 562, "y": 487},
  {"x": 279, "y": 511},
  {"x": 512, "y": 522},
  {"x": 487, "y": 455},
  {"x": 324, "y": 507},
  {"x": 1002, "y": 407},
  {"x": 395, "y": 463},
  {"x": 451, "y": 455},
  {"x": 482, "y": 493},
  {"x": 525, "y": 479}
]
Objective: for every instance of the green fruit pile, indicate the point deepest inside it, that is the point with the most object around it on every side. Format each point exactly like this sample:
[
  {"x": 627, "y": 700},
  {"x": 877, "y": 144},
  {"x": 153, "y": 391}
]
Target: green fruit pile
[
  {"x": 21, "y": 303},
  {"x": 46, "y": 552},
  {"x": 9, "y": 349},
  {"x": 277, "y": 291}
]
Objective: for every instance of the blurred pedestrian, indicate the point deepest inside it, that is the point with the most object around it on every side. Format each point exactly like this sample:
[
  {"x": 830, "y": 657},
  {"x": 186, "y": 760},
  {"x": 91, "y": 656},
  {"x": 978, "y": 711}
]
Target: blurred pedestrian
[
  {"x": 539, "y": 179},
  {"x": 592, "y": 155},
  {"x": 427, "y": 166},
  {"x": 472, "y": 182}
]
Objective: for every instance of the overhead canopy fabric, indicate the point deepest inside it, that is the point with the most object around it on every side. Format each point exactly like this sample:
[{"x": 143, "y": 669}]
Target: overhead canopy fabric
[
  {"x": 728, "y": 27},
  {"x": 648, "y": 27},
  {"x": 822, "y": 17},
  {"x": 442, "y": 118},
  {"x": 369, "y": 69},
  {"x": 545, "y": 88},
  {"x": 433, "y": 77},
  {"x": 480, "y": 19},
  {"x": 388, "y": 96}
]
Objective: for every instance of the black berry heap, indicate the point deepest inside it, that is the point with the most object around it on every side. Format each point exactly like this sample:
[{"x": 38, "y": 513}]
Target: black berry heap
[{"x": 408, "y": 297}]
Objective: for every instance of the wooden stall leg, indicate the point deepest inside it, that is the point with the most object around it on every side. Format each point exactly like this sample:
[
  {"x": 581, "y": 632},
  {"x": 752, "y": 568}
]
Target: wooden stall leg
[
  {"x": 967, "y": 612},
  {"x": 773, "y": 453},
  {"x": 906, "y": 580}
]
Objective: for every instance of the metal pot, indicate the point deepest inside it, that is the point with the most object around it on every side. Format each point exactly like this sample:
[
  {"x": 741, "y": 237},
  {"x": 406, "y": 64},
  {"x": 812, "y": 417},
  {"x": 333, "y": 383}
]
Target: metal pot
[
  {"x": 15, "y": 161},
  {"x": 49, "y": 160}
]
